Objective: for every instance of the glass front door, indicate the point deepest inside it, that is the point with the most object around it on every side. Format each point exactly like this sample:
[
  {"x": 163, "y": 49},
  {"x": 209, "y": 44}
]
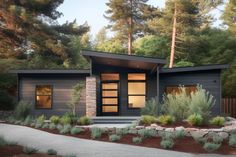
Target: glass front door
[{"x": 110, "y": 95}]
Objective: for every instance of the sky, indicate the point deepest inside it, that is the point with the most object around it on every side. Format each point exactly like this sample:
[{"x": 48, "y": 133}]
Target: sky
[{"x": 92, "y": 11}]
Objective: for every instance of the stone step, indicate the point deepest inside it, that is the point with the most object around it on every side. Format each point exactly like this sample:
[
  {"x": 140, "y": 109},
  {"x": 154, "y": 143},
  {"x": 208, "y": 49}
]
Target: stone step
[{"x": 114, "y": 120}]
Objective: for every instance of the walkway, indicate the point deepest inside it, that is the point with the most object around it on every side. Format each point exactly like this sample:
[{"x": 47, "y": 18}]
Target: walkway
[{"x": 81, "y": 147}]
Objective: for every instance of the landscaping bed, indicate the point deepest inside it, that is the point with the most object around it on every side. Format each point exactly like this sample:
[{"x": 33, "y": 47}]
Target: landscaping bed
[{"x": 17, "y": 151}]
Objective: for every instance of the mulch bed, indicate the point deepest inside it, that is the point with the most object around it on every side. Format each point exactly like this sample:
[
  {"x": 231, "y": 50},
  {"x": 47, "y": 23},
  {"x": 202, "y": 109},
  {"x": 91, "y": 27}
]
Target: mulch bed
[
  {"x": 17, "y": 151},
  {"x": 185, "y": 144}
]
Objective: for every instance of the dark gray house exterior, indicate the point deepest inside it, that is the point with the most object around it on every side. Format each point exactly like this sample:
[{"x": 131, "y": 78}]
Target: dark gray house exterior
[{"x": 115, "y": 85}]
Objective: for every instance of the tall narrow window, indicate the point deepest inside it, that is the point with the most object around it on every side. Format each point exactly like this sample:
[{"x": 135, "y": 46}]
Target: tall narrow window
[
  {"x": 43, "y": 96},
  {"x": 136, "y": 90}
]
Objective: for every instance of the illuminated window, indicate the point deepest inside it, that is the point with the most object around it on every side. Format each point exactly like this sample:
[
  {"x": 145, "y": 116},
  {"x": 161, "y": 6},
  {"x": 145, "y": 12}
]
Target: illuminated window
[
  {"x": 44, "y": 96},
  {"x": 110, "y": 76},
  {"x": 176, "y": 89},
  {"x": 136, "y": 90}
]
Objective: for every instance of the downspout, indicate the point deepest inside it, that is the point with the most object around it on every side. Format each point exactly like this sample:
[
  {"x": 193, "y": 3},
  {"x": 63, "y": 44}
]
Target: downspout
[{"x": 158, "y": 90}]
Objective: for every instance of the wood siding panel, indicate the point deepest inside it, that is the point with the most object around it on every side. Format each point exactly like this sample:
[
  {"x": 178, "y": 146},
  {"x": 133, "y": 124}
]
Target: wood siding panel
[{"x": 62, "y": 88}]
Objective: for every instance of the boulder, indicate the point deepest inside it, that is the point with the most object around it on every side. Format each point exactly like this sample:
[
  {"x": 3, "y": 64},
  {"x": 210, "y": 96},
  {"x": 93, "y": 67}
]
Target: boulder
[
  {"x": 154, "y": 125},
  {"x": 224, "y": 135},
  {"x": 198, "y": 134},
  {"x": 139, "y": 127},
  {"x": 179, "y": 128},
  {"x": 229, "y": 129},
  {"x": 159, "y": 128},
  {"x": 169, "y": 129}
]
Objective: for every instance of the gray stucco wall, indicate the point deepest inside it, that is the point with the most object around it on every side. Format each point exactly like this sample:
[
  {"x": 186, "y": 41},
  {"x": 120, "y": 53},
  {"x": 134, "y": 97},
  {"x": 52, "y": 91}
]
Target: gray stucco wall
[
  {"x": 210, "y": 80},
  {"x": 62, "y": 88}
]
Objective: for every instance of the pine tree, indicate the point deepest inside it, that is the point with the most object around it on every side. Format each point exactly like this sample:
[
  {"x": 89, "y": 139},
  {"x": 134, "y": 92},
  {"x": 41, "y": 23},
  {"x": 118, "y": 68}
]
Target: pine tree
[
  {"x": 127, "y": 19},
  {"x": 229, "y": 16}
]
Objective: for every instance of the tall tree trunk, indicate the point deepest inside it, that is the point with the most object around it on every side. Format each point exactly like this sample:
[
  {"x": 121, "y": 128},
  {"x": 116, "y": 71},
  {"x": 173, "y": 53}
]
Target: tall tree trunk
[
  {"x": 172, "y": 53},
  {"x": 130, "y": 33}
]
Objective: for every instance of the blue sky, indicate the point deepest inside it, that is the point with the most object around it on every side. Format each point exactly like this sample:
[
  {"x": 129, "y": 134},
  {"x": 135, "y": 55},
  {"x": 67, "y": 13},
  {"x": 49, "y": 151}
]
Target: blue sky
[{"x": 92, "y": 11}]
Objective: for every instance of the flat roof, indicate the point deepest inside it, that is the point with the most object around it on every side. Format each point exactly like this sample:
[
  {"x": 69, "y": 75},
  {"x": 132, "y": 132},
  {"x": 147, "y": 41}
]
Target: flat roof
[
  {"x": 51, "y": 71},
  {"x": 194, "y": 68},
  {"x": 123, "y": 60}
]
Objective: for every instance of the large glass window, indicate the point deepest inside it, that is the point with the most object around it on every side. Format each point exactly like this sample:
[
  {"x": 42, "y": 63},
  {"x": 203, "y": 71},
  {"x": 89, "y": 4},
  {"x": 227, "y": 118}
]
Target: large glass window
[
  {"x": 136, "y": 90},
  {"x": 176, "y": 89},
  {"x": 43, "y": 96}
]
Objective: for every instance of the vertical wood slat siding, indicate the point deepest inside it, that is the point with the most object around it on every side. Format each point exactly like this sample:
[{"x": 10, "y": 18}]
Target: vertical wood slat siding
[{"x": 228, "y": 106}]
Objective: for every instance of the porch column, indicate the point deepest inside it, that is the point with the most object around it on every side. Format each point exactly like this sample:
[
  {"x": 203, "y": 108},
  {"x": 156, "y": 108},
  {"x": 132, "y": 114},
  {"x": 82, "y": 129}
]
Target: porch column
[{"x": 91, "y": 100}]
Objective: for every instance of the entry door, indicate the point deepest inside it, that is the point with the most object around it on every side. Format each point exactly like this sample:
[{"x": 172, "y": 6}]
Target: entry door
[{"x": 110, "y": 98}]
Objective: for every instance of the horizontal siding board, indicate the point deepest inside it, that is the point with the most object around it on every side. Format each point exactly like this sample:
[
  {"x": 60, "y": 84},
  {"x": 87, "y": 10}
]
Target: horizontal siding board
[{"x": 62, "y": 90}]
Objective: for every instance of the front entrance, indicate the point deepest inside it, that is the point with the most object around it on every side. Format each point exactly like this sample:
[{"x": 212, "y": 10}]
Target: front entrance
[{"x": 110, "y": 95}]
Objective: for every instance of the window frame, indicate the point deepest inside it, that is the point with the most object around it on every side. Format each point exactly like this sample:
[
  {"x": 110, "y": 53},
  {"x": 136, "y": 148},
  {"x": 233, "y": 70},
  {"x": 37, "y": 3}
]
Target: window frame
[
  {"x": 188, "y": 85},
  {"x": 36, "y": 102},
  {"x": 136, "y": 81}
]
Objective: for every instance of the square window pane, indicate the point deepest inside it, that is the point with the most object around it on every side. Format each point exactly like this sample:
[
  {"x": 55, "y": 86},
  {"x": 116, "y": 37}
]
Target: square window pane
[
  {"x": 136, "y": 76},
  {"x": 136, "y": 88},
  {"x": 109, "y": 109},
  {"x": 44, "y": 90},
  {"x": 109, "y": 93},
  {"x": 109, "y": 101},
  {"x": 109, "y": 86},
  {"x": 136, "y": 101},
  {"x": 110, "y": 76},
  {"x": 44, "y": 102}
]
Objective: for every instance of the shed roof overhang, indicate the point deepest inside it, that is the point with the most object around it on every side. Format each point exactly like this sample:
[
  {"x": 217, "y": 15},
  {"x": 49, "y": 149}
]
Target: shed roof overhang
[
  {"x": 123, "y": 60},
  {"x": 51, "y": 71},
  {"x": 195, "y": 68}
]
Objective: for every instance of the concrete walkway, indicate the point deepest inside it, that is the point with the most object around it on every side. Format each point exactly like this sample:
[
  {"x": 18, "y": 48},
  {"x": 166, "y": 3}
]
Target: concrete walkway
[{"x": 81, "y": 147}]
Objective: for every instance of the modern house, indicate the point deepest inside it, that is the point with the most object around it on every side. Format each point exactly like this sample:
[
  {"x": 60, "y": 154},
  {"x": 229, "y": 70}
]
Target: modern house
[{"x": 116, "y": 84}]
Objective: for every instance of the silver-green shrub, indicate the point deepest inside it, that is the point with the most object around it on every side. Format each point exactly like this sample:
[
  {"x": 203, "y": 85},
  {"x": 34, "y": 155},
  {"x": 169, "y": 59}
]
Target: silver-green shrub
[
  {"x": 96, "y": 133},
  {"x": 210, "y": 146},
  {"x": 52, "y": 126},
  {"x": 179, "y": 133},
  {"x": 45, "y": 126},
  {"x": 114, "y": 137},
  {"x": 30, "y": 150},
  {"x": 51, "y": 152},
  {"x": 201, "y": 103},
  {"x": 151, "y": 108},
  {"x": 22, "y": 109},
  {"x": 177, "y": 105},
  {"x": 137, "y": 140},
  {"x": 65, "y": 129},
  {"x": 75, "y": 130},
  {"x": 145, "y": 133},
  {"x": 167, "y": 143},
  {"x": 232, "y": 140}
]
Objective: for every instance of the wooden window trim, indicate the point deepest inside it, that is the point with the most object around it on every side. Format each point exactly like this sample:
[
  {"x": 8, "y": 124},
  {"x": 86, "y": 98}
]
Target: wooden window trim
[
  {"x": 136, "y": 81},
  {"x": 38, "y": 108}
]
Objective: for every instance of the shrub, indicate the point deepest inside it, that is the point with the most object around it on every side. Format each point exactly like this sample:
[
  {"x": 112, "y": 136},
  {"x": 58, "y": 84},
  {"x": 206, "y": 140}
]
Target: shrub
[
  {"x": 195, "y": 119},
  {"x": 70, "y": 155},
  {"x": 218, "y": 121},
  {"x": 84, "y": 120},
  {"x": 32, "y": 124},
  {"x": 200, "y": 140},
  {"x": 165, "y": 119},
  {"x": 59, "y": 127},
  {"x": 54, "y": 119},
  {"x": 114, "y": 137},
  {"x": 41, "y": 119},
  {"x": 96, "y": 133},
  {"x": 151, "y": 108},
  {"x": 65, "y": 120},
  {"x": 52, "y": 126},
  {"x": 28, "y": 120},
  {"x": 75, "y": 130},
  {"x": 167, "y": 143},
  {"x": 144, "y": 133},
  {"x": 122, "y": 131},
  {"x": 38, "y": 125},
  {"x": 3, "y": 142},
  {"x": 177, "y": 105},
  {"x": 29, "y": 150},
  {"x": 137, "y": 140},
  {"x": 232, "y": 140},
  {"x": 217, "y": 139},
  {"x": 167, "y": 135},
  {"x": 201, "y": 103},
  {"x": 210, "y": 147},
  {"x": 65, "y": 129},
  {"x": 45, "y": 126},
  {"x": 22, "y": 110},
  {"x": 51, "y": 152},
  {"x": 179, "y": 133},
  {"x": 148, "y": 120}
]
